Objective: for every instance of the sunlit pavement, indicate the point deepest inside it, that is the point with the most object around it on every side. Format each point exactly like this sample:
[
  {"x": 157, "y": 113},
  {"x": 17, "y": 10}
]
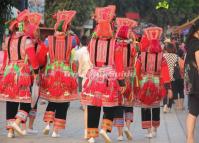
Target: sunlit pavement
[{"x": 172, "y": 129}]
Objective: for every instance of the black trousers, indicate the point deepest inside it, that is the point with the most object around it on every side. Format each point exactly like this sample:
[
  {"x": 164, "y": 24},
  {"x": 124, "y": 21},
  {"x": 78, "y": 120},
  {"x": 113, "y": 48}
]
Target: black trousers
[
  {"x": 120, "y": 110},
  {"x": 178, "y": 88},
  {"x": 94, "y": 115},
  {"x": 150, "y": 117},
  {"x": 12, "y": 109},
  {"x": 60, "y": 109}
]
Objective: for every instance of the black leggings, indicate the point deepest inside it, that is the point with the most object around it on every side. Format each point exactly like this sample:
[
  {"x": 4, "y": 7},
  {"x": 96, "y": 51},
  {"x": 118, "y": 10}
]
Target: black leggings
[
  {"x": 178, "y": 88},
  {"x": 150, "y": 115},
  {"x": 60, "y": 109},
  {"x": 120, "y": 110},
  {"x": 12, "y": 109},
  {"x": 94, "y": 115}
]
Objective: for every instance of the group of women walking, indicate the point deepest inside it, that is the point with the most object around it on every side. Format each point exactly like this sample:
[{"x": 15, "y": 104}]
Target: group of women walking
[{"x": 119, "y": 69}]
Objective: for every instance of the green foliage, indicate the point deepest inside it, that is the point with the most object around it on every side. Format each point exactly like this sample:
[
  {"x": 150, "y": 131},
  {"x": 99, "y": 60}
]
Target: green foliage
[
  {"x": 84, "y": 9},
  {"x": 5, "y": 12}
]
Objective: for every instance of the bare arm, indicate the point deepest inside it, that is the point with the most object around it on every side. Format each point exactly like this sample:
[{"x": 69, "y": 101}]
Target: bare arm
[{"x": 197, "y": 59}]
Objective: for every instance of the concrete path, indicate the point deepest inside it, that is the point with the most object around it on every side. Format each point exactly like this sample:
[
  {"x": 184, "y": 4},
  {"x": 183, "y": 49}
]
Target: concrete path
[{"x": 172, "y": 129}]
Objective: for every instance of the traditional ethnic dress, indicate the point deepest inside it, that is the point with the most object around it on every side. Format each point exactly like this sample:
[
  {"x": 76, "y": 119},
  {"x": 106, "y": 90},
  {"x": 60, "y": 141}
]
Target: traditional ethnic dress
[
  {"x": 125, "y": 39},
  {"x": 101, "y": 87},
  {"x": 152, "y": 71},
  {"x": 58, "y": 83},
  {"x": 20, "y": 62}
]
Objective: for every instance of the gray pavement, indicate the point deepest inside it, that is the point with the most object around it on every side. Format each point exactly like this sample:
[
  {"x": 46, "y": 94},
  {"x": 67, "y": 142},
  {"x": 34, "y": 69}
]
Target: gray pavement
[{"x": 172, "y": 129}]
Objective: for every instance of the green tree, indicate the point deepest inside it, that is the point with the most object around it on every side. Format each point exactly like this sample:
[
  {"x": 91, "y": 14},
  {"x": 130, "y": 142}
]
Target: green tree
[
  {"x": 5, "y": 12},
  {"x": 84, "y": 9}
]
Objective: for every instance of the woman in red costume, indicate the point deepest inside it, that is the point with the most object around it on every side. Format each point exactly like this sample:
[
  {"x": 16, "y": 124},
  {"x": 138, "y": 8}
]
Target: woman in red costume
[
  {"x": 126, "y": 39},
  {"x": 103, "y": 81},
  {"x": 20, "y": 65},
  {"x": 58, "y": 84},
  {"x": 154, "y": 81}
]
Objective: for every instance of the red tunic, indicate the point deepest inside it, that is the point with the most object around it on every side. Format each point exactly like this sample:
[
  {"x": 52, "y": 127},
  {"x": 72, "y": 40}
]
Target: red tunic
[
  {"x": 151, "y": 85},
  {"x": 101, "y": 87},
  {"x": 19, "y": 62},
  {"x": 58, "y": 83}
]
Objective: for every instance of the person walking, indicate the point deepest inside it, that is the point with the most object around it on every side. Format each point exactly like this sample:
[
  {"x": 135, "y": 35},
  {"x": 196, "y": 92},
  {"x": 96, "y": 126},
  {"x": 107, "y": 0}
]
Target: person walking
[{"x": 192, "y": 79}]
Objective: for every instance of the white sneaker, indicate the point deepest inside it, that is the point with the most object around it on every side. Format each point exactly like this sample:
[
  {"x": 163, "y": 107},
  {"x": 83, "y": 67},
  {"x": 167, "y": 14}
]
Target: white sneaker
[
  {"x": 154, "y": 134},
  {"x": 55, "y": 135},
  {"x": 165, "y": 109},
  {"x": 168, "y": 110},
  {"x": 46, "y": 130},
  {"x": 128, "y": 133},
  {"x": 32, "y": 131},
  {"x": 24, "y": 132},
  {"x": 18, "y": 129},
  {"x": 149, "y": 135},
  {"x": 120, "y": 138},
  {"x": 105, "y": 136},
  {"x": 10, "y": 135},
  {"x": 85, "y": 134},
  {"x": 91, "y": 140},
  {"x": 154, "y": 131}
]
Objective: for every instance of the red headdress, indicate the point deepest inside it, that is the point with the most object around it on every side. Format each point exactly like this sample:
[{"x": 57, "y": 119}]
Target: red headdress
[
  {"x": 124, "y": 26},
  {"x": 63, "y": 19},
  {"x": 32, "y": 24},
  {"x": 104, "y": 16},
  {"x": 151, "y": 40},
  {"x": 21, "y": 17}
]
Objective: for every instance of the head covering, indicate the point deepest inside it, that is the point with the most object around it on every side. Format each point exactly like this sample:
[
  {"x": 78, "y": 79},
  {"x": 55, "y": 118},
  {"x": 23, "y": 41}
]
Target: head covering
[
  {"x": 124, "y": 27},
  {"x": 20, "y": 18},
  {"x": 63, "y": 20},
  {"x": 105, "y": 13},
  {"x": 151, "y": 40},
  {"x": 103, "y": 17},
  {"x": 32, "y": 24}
]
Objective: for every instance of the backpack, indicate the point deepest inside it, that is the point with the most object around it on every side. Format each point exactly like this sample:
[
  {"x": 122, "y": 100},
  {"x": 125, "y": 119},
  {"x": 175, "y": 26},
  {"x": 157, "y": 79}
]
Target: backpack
[{"x": 176, "y": 73}]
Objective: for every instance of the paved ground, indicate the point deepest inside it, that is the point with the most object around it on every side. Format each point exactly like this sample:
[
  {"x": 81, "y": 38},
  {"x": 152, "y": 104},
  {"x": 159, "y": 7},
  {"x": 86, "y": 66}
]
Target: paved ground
[{"x": 172, "y": 129}]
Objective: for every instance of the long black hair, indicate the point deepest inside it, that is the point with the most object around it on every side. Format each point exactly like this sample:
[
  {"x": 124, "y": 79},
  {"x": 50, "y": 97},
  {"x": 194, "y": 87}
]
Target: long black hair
[{"x": 193, "y": 29}]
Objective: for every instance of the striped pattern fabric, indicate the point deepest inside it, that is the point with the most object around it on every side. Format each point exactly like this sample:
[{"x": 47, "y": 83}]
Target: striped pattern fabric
[{"x": 171, "y": 59}]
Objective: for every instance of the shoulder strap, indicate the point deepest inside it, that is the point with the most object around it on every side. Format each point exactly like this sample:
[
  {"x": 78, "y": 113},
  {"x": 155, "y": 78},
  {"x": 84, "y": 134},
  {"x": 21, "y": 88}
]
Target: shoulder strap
[
  {"x": 128, "y": 54},
  {"x": 95, "y": 56},
  {"x": 107, "y": 54},
  {"x": 19, "y": 47},
  {"x": 9, "y": 40},
  {"x": 36, "y": 46}
]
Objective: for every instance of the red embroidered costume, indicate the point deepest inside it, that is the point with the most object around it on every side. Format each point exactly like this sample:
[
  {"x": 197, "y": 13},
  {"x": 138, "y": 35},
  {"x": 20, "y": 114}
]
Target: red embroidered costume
[
  {"x": 58, "y": 83},
  {"x": 125, "y": 39},
  {"x": 19, "y": 64},
  {"x": 103, "y": 80},
  {"x": 154, "y": 80}
]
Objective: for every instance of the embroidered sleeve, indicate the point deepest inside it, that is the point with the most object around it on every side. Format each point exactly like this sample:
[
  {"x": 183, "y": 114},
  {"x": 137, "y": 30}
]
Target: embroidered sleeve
[
  {"x": 42, "y": 51},
  {"x": 31, "y": 53}
]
